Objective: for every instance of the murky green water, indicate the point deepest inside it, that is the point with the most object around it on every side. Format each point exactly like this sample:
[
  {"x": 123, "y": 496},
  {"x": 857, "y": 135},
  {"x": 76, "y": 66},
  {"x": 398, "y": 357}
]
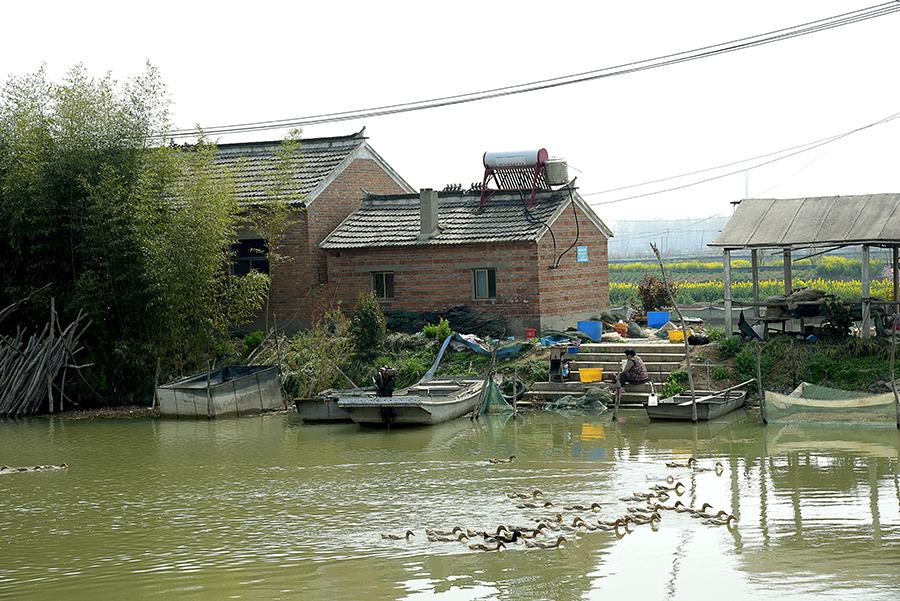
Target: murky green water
[{"x": 271, "y": 508}]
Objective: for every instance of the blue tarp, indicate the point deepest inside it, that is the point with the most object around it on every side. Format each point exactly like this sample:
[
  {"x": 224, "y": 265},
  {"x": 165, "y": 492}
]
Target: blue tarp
[{"x": 507, "y": 351}]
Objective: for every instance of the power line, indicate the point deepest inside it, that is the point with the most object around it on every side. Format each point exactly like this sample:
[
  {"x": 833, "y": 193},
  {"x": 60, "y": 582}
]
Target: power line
[{"x": 633, "y": 67}]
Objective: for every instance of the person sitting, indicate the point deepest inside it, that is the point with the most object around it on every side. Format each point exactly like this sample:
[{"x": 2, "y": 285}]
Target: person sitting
[{"x": 634, "y": 370}]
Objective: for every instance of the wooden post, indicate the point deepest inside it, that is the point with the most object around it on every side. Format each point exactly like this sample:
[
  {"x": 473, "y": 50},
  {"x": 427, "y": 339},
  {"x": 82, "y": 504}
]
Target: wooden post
[
  {"x": 155, "y": 406},
  {"x": 618, "y": 398},
  {"x": 515, "y": 390},
  {"x": 894, "y": 380},
  {"x": 788, "y": 282},
  {"x": 208, "y": 392},
  {"x": 866, "y": 325},
  {"x": 760, "y": 393},
  {"x": 754, "y": 269},
  {"x": 729, "y": 322},
  {"x": 896, "y": 273}
]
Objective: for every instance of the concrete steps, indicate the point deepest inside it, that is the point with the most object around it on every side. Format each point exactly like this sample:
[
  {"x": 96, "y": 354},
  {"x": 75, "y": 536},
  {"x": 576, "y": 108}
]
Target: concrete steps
[{"x": 661, "y": 358}]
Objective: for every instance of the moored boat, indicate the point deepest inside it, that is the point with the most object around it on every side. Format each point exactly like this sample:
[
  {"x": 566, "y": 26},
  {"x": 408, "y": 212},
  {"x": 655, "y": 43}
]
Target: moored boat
[
  {"x": 428, "y": 402},
  {"x": 710, "y": 405},
  {"x": 230, "y": 390}
]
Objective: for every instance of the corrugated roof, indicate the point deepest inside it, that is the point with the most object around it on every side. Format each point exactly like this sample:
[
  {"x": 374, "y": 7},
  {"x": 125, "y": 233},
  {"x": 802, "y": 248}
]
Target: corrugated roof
[
  {"x": 384, "y": 221},
  {"x": 814, "y": 221},
  {"x": 254, "y": 165}
]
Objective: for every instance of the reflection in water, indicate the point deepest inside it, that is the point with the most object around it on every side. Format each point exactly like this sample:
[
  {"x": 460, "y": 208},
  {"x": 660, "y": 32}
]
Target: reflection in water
[{"x": 271, "y": 508}]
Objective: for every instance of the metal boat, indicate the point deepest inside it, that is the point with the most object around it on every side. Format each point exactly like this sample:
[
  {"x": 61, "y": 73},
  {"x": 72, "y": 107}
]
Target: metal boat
[
  {"x": 710, "y": 404},
  {"x": 429, "y": 402},
  {"x": 230, "y": 390}
]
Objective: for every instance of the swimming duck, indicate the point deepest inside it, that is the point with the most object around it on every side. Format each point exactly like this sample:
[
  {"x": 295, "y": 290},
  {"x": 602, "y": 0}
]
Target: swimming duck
[
  {"x": 546, "y": 545},
  {"x": 726, "y": 521},
  {"x": 530, "y": 505},
  {"x": 668, "y": 486},
  {"x": 670, "y": 479},
  {"x": 433, "y": 532},
  {"x": 677, "y": 506},
  {"x": 502, "y": 538},
  {"x": 573, "y": 527},
  {"x": 646, "y": 519},
  {"x": 484, "y": 547},
  {"x": 693, "y": 510},
  {"x": 610, "y": 526},
  {"x": 689, "y": 463},
  {"x": 522, "y": 495},
  {"x": 532, "y": 532},
  {"x": 699, "y": 468},
  {"x": 706, "y": 515},
  {"x": 511, "y": 457},
  {"x": 473, "y": 533},
  {"x": 582, "y": 507},
  {"x": 398, "y": 536},
  {"x": 439, "y": 538},
  {"x": 549, "y": 520}
]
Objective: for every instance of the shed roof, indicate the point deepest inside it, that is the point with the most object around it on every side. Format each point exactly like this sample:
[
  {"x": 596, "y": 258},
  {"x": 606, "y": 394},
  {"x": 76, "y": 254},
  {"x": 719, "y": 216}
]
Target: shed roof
[
  {"x": 813, "y": 221},
  {"x": 386, "y": 221}
]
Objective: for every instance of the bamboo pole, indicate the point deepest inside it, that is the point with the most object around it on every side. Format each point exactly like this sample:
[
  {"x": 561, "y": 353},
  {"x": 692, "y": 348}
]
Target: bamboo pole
[
  {"x": 687, "y": 347},
  {"x": 760, "y": 393},
  {"x": 893, "y": 381}
]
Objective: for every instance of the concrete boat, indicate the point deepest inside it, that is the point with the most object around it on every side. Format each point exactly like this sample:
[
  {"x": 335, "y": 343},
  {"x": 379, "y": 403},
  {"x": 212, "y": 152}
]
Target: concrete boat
[
  {"x": 428, "y": 402},
  {"x": 230, "y": 390}
]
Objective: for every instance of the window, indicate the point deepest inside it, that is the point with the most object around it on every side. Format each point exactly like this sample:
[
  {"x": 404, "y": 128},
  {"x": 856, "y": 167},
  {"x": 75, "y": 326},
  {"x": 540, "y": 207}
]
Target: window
[
  {"x": 485, "y": 283},
  {"x": 249, "y": 254},
  {"x": 383, "y": 285}
]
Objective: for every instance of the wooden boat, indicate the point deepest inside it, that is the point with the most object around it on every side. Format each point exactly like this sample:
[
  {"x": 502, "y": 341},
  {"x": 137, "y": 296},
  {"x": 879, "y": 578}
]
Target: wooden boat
[
  {"x": 710, "y": 404},
  {"x": 230, "y": 390},
  {"x": 428, "y": 402}
]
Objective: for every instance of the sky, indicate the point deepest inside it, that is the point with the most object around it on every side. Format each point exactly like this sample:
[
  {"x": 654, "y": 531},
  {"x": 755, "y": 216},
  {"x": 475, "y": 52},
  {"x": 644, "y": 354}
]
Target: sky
[{"x": 235, "y": 63}]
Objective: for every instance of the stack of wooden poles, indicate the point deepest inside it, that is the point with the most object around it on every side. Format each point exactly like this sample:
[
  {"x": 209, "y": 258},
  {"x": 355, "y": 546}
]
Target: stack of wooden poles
[{"x": 28, "y": 369}]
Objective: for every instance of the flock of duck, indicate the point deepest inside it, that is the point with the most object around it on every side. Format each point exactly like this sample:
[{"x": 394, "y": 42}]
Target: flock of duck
[
  {"x": 555, "y": 530},
  {"x": 38, "y": 468}
]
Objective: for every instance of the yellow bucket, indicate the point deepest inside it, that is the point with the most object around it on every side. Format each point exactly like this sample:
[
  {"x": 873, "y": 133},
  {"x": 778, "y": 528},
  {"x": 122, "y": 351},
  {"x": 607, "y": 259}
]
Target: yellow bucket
[
  {"x": 678, "y": 335},
  {"x": 590, "y": 374}
]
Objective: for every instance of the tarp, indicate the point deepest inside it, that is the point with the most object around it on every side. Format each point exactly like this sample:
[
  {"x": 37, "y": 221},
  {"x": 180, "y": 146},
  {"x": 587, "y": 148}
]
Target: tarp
[{"x": 507, "y": 351}]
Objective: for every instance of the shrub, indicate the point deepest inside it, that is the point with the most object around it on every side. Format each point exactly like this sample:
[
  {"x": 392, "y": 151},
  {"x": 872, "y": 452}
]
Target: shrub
[
  {"x": 253, "y": 340},
  {"x": 439, "y": 331},
  {"x": 720, "y": 372},
  {"x": 729, "y": 347},
  {"x": 652, "y": 293},
  {"x": 368, "y": 328},
  {"x": 675, "y": 383}
]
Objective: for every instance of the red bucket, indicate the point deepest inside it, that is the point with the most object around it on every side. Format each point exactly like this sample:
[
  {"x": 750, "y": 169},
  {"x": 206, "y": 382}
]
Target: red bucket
[{"x": 529, "y": 333}]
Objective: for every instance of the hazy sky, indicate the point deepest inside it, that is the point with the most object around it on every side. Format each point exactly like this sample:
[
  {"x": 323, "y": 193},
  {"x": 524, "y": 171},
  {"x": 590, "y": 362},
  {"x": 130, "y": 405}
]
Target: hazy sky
[{"x": 233, "y": 63}]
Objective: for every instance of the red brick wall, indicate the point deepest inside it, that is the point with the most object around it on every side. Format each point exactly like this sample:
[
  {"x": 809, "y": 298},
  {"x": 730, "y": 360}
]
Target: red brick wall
[
  {"x": 529, "y": 293},
  {"x": 297, "y": 293}
]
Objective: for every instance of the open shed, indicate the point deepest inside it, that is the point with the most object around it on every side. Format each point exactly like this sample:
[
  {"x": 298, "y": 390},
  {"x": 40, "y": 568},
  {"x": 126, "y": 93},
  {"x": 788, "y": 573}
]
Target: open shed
[{"x": 816, "y": 225}]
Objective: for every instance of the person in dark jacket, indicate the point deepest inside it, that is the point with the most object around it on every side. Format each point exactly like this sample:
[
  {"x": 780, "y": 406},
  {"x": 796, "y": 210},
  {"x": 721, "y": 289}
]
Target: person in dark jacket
[{"x": 634, "y": 371}]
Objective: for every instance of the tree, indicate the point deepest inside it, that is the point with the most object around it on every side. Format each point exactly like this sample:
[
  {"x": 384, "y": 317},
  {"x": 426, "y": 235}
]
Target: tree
[{"x": 119, "y": 225}]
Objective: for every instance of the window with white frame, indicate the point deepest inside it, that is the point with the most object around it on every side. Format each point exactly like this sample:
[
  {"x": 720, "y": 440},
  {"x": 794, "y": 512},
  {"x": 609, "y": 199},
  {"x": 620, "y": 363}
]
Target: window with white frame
[{"x": 485, "y": 281}]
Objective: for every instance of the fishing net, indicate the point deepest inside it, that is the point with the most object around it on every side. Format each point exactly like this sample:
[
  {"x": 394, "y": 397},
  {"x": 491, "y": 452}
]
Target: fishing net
[
  {"x": 594, "y": 400},
  {"x": 818, "y": 404},
  {"x": 494, "y": 401}
]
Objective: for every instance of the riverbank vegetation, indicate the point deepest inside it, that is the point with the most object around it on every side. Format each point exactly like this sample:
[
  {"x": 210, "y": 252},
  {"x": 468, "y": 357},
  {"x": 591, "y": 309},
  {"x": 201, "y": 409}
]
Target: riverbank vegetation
[{"x": 98, "y": 214}]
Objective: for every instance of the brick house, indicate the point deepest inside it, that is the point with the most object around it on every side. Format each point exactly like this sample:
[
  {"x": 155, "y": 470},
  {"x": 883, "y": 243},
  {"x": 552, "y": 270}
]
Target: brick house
[
  {"x": 542, "y": 267},
  {"x": 334, "y": 175}
]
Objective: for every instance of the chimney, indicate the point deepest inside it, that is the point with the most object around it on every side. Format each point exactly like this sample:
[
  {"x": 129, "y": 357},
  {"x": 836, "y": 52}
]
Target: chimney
[{"x": 428, "y": 209}]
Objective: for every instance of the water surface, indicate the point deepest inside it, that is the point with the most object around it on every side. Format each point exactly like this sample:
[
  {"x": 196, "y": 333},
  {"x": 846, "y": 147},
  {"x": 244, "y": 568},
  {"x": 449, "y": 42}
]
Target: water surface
[{"x": 271, "y": 508}]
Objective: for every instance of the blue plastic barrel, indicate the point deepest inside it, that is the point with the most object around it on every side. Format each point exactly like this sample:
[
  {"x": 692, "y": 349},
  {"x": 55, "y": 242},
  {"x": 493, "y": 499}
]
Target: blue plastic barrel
[
  {"x": 594, "y": 329},
  {"x": 657, "y": 319}
]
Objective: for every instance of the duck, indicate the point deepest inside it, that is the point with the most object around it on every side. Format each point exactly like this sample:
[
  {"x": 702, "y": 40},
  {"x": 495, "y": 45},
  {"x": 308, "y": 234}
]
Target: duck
[
  {"x": 433, "y": 532},
  {"x": 546, "y": 545},
  {"x": 473, "y": 533},
  {"x": 689, "y": 463},
  {"x": 522, "y": 495},
  {"x": 670, "y": 479},
  {"x": 678, "y": 505},
  {"x": 547, "y": 519},
  {"x": 484, "y": 547},
  {"x": 646, "y": 519},
  {"x": 725, "y": 521},
  {"x": 510, "y": 460},
  {"x": 610, "y": 526},
  {"x": 387, "y": 536},
  {"x": 502, "y": 538},
  {"x": 530, "y": 505},
  {"x": 532, "y": 532},
  {"x": 668, "y": 486},
  {"x": 441, "y": 538},
  {"x": 574, "y": 526},
  {"x": 693, "y": 510},
  {"x": 699, "y": 468},
  {"x": 582, "y": 507},
  {"x": 646, "y": 496},
  {"x": 706, "y": 515}
]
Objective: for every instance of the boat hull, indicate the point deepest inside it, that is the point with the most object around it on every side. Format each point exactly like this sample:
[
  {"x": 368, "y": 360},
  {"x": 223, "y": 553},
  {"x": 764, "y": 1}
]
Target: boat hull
[
  {"x": 679, "y": 407},
  {"x": 428, "y": 403},
  {"x": 228, "y": 391},
  {"x": 321, "y": 410}
]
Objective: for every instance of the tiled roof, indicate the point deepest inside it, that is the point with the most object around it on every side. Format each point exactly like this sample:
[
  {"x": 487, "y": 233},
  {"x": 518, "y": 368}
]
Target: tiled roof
[
  {"x": 254, "y": 165},
  {"x": 383, "y": 221}
]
